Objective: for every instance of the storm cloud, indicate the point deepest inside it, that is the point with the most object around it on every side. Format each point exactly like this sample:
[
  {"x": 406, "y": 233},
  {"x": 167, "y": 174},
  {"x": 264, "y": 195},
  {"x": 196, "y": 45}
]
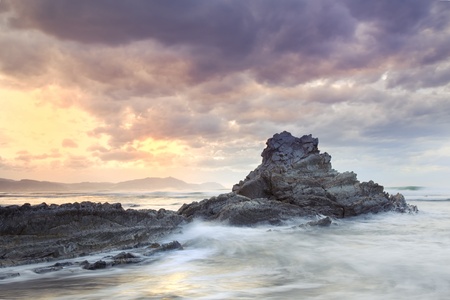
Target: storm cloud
[
  {"x": 264, "y": 37},
  {"x": 205, "y": 73}
]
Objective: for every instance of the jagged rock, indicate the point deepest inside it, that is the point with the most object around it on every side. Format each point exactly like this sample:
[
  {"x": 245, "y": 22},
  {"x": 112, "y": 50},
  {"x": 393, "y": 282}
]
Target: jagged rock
[
  {"x": 124, "y": 255},
  {"x": 52, "y": 268},
  {"x": 125, "y": 258},
  {"x": 155, "y": 247},
  {"x": 295, "y": 179},
  {"x": 240, "y": 210},
  {"x": 48, "y": 269},
  {"x": 95, "y": 266},
  {"x": 294, "y": 171},
  {"x": 30, "y": 234},
  {"x": 174, "y": 245}
]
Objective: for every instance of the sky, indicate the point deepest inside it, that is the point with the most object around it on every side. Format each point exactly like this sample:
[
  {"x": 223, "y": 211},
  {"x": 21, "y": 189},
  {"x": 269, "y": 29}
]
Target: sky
[{"x": 113, "y": 90}]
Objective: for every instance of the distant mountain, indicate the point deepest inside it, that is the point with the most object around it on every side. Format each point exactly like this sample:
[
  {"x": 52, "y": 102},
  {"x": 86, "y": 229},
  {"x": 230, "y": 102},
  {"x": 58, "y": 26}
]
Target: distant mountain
[
  {"x": 156, "y": 183},
  {"x": 27, "y": 185},
  {"x": 147, "y": 184},
  {"x": 153, "y": 183}
]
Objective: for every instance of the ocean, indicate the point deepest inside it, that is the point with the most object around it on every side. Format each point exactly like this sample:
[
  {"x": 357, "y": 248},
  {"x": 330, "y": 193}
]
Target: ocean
[{"x": 375, "y": 256}]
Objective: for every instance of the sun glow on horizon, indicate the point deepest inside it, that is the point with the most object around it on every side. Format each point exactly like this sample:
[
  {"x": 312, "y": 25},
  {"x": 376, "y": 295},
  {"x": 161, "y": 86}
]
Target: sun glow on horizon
[
  {"x": 94, "y": 91},
  {"x": 57, "y": 142}
]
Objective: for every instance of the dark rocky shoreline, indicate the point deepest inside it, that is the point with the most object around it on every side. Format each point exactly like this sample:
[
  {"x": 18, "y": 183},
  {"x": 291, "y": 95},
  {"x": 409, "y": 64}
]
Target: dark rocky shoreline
[
  {"x": 294, "y": 180},
  {"x": 38, "y": 233}
]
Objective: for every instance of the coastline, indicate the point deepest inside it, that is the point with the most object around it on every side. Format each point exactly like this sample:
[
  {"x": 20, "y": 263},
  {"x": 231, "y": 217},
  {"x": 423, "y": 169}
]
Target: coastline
[{"x": 45, "y": 233}]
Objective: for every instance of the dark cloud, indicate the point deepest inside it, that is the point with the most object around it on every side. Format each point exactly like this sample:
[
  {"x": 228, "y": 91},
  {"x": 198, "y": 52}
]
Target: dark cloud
[
  {"x": 20, "y": 59},
  {"x": 4, "y": 7},
  {"x": 394, "y": 17},
  {"x": 214, "y": 73},
  {"x": 425, "y": 77},
  {"x": 282, "y": 42},
  {"x": 307, "y": 27},
  {"x": 224, "y": 25}
]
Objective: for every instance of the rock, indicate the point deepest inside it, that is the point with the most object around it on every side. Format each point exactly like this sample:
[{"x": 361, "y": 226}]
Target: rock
[
  {"x": 84, "y": 263},
  {"x": 295, "y": 179},
  {"x": 154, "y": 245},
  {"x": 124, "y": 255},
  {"x": 155, "y": 248},
  {"x": 47, "y": 269},
  {"x": 125, "y": 258},
  {"x": 63, "y": 264},
  {"x": 31, "y": 234},
  {"x": 95, "y": 266},
  {"x": 53, "y": 268},
  {"x": 4, "y": 276},
  {"x": 294, "y": 171},
  {"x": 174, "y": 245},
  {"x": 324, "y": 222},
  {"x": 239, "y": 210}
]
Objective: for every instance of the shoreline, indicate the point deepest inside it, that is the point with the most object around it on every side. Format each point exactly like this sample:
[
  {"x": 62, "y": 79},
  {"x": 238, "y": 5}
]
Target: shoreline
[{"x": 44, "y": 233}]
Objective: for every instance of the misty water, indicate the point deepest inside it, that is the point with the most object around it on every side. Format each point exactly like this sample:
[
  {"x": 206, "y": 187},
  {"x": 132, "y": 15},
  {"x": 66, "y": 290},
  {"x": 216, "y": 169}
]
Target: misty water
[{"x": 383, "y": 256}]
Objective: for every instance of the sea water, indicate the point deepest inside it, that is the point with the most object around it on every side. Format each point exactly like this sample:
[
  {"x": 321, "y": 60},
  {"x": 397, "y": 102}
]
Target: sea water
[
  {"x": 381, "y": 256},
  {"x": 171, "y": 200}
]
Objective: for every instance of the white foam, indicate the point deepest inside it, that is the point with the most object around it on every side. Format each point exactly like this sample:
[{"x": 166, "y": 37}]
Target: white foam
[{"x": 382, "y": 256}]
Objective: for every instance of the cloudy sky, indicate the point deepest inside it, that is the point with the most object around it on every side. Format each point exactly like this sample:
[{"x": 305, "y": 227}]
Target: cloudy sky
[{"x": 111, "y": 90}]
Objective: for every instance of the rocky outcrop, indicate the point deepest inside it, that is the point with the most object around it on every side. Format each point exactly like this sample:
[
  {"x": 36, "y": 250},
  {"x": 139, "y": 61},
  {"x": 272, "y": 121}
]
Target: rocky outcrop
[
  {"x": 123, "y": 258},
  {"x": 44, "y": 232},
  {"x": 295, "y": 179},
  {"x": 239, "y": 210}
]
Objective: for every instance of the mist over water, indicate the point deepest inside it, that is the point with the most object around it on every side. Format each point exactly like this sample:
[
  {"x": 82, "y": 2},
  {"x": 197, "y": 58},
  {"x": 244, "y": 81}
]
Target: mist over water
[
  {"x": 136, "y": 200},
  {"x": 384, "y": 256}
]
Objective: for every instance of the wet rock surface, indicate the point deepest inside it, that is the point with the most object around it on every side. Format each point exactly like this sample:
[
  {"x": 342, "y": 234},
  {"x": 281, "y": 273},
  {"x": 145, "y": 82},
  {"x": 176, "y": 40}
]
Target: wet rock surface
[
  {"x": 324, "y": 222},
  {"x": 101, "y": 264},
  {"x": 142, "y": 255},
  {"x": 156, "y": 248},
  {"x": 239, "y": 210},
  {"x": 31, "y": 234},
  {"x": 294, "y": 180}
]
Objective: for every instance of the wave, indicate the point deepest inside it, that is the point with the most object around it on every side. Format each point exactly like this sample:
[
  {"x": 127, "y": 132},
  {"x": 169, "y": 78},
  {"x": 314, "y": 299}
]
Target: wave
[
  {"x": 407, "y": 188},
  {"x": 368, "y": 257},
  {"x": 430, "y": 200}
]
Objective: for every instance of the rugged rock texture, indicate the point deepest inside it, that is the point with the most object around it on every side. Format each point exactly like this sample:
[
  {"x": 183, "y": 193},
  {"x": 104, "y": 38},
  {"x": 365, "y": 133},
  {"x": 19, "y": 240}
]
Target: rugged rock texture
[
  {"x": 295, "y": 179},
  {"x": 239, "y": 210},
  {"x": 42, "y": 233}
]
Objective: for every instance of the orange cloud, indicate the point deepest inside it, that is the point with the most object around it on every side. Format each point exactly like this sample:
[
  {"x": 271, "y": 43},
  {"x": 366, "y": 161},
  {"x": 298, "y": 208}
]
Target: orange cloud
[{"x": 68, "y": 143}]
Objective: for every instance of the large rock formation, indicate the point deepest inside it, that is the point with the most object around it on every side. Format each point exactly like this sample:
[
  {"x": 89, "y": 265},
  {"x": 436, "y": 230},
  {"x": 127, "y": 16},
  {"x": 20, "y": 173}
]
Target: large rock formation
[
  {"x": 44, "y": 232},
  {"x": 295, "y": 179}
]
